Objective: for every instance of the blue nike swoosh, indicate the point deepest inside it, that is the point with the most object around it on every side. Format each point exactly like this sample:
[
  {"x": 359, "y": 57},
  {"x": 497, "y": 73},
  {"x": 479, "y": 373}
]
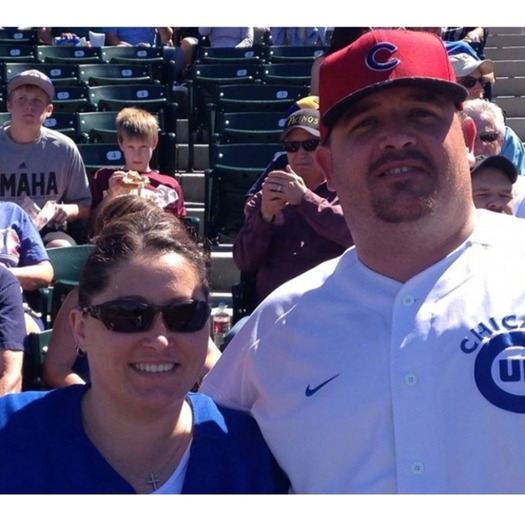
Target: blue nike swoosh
[{"x": 311, "y": 391}]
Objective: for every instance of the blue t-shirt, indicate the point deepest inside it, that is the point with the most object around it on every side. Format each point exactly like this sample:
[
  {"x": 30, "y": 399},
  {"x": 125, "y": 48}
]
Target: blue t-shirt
[
  {"x": 227, "y": 455},
  {"x": 12, "y": 325},
  {"x": 135, "y": 35},
  {"x": 20, "y": 242}
]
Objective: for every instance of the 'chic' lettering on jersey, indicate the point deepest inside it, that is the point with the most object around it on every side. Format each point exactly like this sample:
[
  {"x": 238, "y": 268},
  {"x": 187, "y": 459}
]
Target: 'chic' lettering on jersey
[
  {"x": 481, "y": 332},
  {"x": 32, "y": 184},
  {"x": 375, "y": 63}
]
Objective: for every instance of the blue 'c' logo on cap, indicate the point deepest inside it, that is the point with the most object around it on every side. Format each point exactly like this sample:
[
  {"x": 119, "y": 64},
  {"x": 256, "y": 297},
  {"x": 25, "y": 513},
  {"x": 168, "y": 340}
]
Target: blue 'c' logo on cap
[{"x": 373, "y": 63}]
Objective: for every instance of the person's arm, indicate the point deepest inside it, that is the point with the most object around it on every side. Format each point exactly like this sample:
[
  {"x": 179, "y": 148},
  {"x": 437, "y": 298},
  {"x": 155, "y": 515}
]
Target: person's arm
[
  {"x": 70, "y": 212},
  {"x": 34, "y": 276},
  {"x": 246, "y": 37},
  {"x": 321, "y": 210},
  {"x": 10, "y": 371},
  {"x": 61, "y": 351},
  {"x": 34, "y": 269},
  {"x": 104, "y": 187},
  {"x": 12, "y": 333},
  {"x": 253, "y": 240},
  {"x": 112, "y": 39},
  {"x": 165, "y": 35},
  {"x": 325, "y": 216}
]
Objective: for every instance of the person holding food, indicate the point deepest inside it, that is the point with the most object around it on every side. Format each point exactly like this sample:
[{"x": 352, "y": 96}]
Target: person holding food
[
  {"x": 137, "y": 134},
  {"x": 136, "y": 428}
]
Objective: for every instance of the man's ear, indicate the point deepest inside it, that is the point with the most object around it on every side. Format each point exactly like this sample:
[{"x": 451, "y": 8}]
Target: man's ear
[
  {"x": 469, "y": 134},
  {"x": 323, "y": 156},
  {"x": 49, "y": 110}
]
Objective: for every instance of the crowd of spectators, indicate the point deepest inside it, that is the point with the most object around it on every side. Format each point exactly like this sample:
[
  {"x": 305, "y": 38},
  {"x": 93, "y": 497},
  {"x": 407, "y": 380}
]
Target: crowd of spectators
[{"x": 294, "y": 221}]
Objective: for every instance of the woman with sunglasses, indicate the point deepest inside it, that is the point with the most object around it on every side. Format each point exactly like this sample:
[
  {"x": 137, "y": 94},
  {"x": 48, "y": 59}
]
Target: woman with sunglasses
[
  {"x": 143, "y": 321},
  {"x": 66, "y": 364}
]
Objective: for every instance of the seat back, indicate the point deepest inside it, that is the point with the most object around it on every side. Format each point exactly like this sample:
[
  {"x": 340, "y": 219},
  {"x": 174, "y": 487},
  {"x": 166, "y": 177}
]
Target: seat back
[
  {"x": 235, "y": 168},
  {"x": 131, "y": 54},
  {"x": 231, "y": 55},
  {"x": 71, "y": 99},
  {"x": 296, "y": 73},
  {"x": 115, "y": 74},
  {"x": 17, "y": 53},
  {"x": 36, "y": 344},
  {"x": 152, "y": 97},
  {"x": 60, "y": 74},
  {"x": 97, "y": 155},
  {"x": 13, "y": 35},
  {"x": 65, "y": 123},
  {"x": 249, "y": 127},
  {"x": 257, "y": 97},
  {"x": 68, "y": 263},
  {"x": 97, "y": 126},
  {"x": 68, "y": 54},
  {"x": 294, "y": 54}
]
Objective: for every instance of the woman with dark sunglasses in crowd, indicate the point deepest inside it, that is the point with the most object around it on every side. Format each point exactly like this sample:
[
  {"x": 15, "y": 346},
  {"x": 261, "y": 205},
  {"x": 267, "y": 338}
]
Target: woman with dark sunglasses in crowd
[
  {"x": 65, "y": 363},
  {"x": 143, "y": 321}
]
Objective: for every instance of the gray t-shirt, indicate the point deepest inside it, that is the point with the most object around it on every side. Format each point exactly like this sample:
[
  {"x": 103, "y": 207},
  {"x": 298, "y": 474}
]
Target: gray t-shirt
[{"x": 50, "y": 168}]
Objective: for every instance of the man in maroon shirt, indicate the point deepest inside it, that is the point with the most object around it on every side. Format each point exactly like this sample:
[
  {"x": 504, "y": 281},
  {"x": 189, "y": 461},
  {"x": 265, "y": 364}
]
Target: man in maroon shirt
[{"x": 295, "y": 221}]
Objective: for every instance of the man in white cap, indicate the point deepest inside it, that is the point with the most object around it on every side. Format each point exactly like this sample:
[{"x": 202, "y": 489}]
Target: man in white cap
[
  {"x": 38, "y": 162},
  {"x": 397, "y": 367}
]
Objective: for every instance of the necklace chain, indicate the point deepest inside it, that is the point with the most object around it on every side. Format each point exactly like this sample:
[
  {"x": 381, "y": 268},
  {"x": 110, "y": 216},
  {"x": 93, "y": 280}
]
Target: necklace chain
[{"x": 152, "y": 479}]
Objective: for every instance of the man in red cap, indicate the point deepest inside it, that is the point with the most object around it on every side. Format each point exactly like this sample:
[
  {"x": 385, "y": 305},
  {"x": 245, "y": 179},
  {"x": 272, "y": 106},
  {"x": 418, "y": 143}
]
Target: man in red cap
[{"x": 397, "y": 367}]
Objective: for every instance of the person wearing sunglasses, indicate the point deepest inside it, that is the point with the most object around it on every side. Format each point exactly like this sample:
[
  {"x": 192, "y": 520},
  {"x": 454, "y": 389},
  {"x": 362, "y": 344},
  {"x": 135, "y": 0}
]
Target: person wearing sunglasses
[
  {"x": 490, "y": 126},
  {"x": 64, "y": 364},
  {"x": 477, "y": 77},
  {"x": 472, "y": 74},
  {"x": 295, "y": 221},
  {"x": 143, "y": 321}
]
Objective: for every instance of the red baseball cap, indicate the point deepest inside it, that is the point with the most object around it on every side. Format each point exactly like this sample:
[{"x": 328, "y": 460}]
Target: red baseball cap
[{"x": 384, "y": 58}]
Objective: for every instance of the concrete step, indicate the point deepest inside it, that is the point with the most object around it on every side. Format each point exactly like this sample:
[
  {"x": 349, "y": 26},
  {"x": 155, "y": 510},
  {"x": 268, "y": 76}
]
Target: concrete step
[
  {"x": 505, "y": 31},
  {"x": 505, "y": 40},
  {"x": 201, "y": 157},
  {"x": 193, "y": 186},
  {"x": 505, "y": 53},
  {"x": 510, "y": 68},
  {"x": 518, "y": 125},
  {"x": 513, "y": 106},
  {"x": 508, "y": 86},
  {"x": 182, "y": 131},
  {"x": 223, "y": 272}
]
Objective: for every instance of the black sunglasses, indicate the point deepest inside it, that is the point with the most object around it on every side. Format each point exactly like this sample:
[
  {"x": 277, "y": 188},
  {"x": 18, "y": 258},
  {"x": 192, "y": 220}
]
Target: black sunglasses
[
  {"x": 470, "y": 82},
  {"x": 291, "y": 146},
  {"x": 489, "y": 136},
  {"x": 128, "y": 315}
]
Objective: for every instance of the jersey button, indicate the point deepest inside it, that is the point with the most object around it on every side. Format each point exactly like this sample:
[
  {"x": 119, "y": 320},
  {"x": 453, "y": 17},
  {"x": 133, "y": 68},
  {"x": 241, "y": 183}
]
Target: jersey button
[
  {"x": 417, "y": 468},
  {"x": 408, "y": 300},
  {"x": 410, "y": 379}
]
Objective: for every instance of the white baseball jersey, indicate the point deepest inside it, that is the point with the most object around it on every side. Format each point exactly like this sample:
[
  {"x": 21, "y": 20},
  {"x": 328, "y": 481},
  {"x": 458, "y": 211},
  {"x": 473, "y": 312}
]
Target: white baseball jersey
[{"x": 362, "y": 384}]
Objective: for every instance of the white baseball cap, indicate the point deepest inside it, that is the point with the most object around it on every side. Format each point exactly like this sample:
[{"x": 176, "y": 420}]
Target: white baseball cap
[{"x": 465, "y": 64}]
